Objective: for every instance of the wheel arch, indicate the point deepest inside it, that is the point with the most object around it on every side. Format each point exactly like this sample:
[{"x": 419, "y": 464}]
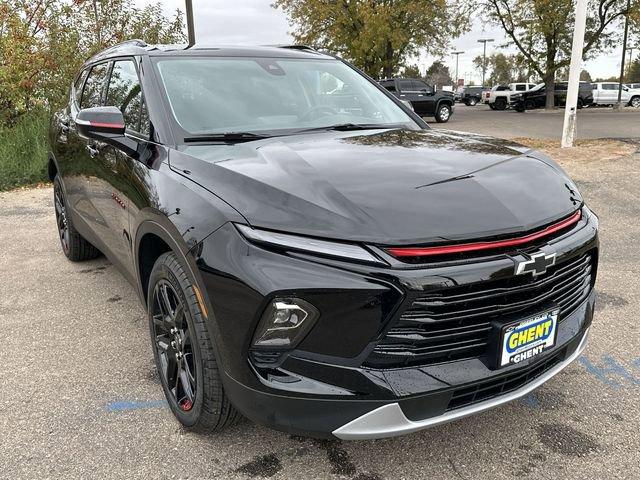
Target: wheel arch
[
  {"x": 52, "y": 166},
  {"x": 152, "y": 240}
]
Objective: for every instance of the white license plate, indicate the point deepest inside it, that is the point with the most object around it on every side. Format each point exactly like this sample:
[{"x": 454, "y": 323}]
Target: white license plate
[{"x": 528, "y": 338}]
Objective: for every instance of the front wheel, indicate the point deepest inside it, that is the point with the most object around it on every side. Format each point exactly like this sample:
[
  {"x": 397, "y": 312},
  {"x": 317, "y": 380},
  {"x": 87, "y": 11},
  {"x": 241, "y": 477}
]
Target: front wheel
[
  {"x": 184, "y": 351},
  {"x": 443, "y": 113},
  {"x": 492, "y": 106},
  {"x": 635, "y": 102},
  {"x": 501, "y": 103}
]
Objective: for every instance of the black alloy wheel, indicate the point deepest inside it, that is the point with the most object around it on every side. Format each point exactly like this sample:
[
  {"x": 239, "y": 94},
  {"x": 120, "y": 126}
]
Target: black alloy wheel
[
  {"x": 183, "y": 349},
  {"x": 74, "y": 246},
  {"x": 174, "y": 346},
  {"x": 61, "y": 217}
]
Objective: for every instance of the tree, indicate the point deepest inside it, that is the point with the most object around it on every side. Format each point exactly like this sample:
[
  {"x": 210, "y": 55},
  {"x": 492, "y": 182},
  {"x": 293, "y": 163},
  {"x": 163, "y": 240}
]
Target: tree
[
  {"x": 411, "y": 71},
  {"x": 43, "y": 44},
  {"x": 585, "y": 76},
  {"x": 503, "y": 69},
  {"x": 542, "y": 31},
  {"x": 377, "y": 36},
  {"x": 633, "y": 74},
  {"x": 438, "y": 74}
]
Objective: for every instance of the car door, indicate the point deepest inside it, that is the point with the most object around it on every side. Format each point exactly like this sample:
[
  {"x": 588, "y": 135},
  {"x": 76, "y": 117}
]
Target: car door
[
  {"x": 80, "y": 160},
  {"x": 425, "y": 97},
  {"x": 409, "y": 94},
  {"x": 112, "y": 195}
]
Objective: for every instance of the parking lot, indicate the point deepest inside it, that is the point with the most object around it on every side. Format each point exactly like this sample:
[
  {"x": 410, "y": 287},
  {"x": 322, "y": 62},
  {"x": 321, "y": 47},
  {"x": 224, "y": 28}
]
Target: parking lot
[
  {"x": 593, "y": 122},
  {"x": 80, "y": 397}
]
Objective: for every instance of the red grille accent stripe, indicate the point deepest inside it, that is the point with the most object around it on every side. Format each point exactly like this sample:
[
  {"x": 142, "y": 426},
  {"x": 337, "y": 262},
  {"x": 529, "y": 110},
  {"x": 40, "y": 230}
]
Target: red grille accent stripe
[{"x": 473, "y": 247}]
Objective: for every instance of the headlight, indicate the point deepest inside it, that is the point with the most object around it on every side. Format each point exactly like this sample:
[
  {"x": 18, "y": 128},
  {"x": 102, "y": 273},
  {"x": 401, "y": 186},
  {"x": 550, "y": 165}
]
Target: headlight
[
  {"x": 284, "y": 323},
  {"x": 307, "y": 244}
]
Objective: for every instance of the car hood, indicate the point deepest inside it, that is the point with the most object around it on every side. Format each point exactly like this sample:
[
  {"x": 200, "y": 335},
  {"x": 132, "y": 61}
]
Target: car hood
[{"x": 393, "y": 187}]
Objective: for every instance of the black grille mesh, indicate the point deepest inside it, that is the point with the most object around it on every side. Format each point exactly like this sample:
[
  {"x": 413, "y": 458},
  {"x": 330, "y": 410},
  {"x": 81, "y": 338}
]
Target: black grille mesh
[{"x": 454, "y": 323}]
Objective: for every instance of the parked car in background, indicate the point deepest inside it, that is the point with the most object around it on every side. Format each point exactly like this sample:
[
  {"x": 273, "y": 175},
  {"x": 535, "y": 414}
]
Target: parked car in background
[
  {"x": 606, "y": 93},
  {"x": 499, "y": 97},
  {"x": 472, "y": 95},
  {"x": 537, "y": 96},
  {"x": 424, "y": 99}
]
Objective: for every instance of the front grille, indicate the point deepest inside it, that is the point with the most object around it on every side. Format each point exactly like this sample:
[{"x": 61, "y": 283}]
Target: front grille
[
  {"x": 503, "y": 384},
  {"x": 455, "y": 323}
]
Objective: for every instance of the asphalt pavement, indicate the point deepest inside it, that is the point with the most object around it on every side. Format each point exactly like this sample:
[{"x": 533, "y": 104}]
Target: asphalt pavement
[
  {"x": 80, "y": 397},
  {"x": 593, "y": 122}
]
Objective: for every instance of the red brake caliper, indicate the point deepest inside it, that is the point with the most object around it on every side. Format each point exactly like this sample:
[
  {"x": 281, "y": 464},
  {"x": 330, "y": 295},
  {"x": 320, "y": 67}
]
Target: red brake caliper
[{"x": 186, "y": 404}]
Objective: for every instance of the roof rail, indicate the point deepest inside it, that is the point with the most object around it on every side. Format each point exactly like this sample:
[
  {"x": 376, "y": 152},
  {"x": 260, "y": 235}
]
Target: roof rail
[
  {"x": 134, "y": 41},
  {"x": 298, "y": 47}
]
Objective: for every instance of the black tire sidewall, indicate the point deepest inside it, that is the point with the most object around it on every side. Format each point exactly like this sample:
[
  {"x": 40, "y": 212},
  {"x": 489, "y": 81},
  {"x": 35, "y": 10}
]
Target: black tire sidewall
[{"x": 163, "y": 270}]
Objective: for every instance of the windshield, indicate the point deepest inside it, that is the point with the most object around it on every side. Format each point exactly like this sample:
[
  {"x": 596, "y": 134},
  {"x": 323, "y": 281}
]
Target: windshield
[{"x": 220, "y": 95}]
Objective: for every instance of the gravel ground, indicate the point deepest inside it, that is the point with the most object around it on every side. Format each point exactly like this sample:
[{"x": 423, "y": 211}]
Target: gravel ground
[{"x": 80, "y": 397}]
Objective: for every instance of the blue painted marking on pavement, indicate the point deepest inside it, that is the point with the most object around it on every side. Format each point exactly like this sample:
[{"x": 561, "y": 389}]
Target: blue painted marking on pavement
[
  {"x": 125, "y": 405},
  {"x": 530, "y": 400}
]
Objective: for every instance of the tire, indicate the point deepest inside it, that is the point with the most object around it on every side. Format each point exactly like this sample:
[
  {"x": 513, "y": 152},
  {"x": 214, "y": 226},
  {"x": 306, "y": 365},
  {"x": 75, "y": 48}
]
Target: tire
[
  {"x": 184, "y": 351},
  {"x": 580, "y": 103},
  {"x": 472, "y": 102},
  {"x": 492, "y": 106},
  {"x": 500, "y": 103},
  {"x": 519, "y": 108},
  {"x": 74, "y": 246},
  {"x": 443, "y": 113},
  {"x": 635, "y": 102},
  {"x": 529, "y": 104}
]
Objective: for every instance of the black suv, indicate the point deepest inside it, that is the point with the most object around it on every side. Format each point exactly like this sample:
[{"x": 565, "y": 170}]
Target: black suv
[
  {"x": 424, "y": 100},
  {"x": 311, "y": 255},
  {"x": 537, "y": 96},
  {"x": 472, "y": 95}
]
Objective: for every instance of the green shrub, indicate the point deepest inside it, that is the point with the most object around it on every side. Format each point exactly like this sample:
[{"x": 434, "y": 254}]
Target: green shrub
[{"x": 23, "y": 151}]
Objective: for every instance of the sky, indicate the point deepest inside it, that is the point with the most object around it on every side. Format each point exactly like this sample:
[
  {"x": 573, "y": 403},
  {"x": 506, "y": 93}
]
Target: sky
[{"x": 255, "y": 22}]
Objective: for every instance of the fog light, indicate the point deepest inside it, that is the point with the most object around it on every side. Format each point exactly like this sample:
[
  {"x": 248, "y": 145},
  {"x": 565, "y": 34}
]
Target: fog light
[{"x": 284, "y": 323}]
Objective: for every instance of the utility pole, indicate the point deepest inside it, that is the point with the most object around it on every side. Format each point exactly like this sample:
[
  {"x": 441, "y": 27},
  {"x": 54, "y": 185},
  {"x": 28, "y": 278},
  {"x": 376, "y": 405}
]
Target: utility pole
[
  {"x": 484, "y": 56},
  {"x": 569, "y": 128},
  {"x": 457, "y": 54},
  {"x": 191, "y": 33},
  {"x": 624, "y": 52}
]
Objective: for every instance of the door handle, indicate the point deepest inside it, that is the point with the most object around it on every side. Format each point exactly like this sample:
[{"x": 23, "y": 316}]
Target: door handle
[{"x": 93, "y": 151}]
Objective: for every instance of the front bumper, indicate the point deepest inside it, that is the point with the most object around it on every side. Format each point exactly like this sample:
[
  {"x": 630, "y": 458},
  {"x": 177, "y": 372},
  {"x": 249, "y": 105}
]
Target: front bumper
[
  {"x": 390, "y": 420},
  {"x": 326, "y": 387}
]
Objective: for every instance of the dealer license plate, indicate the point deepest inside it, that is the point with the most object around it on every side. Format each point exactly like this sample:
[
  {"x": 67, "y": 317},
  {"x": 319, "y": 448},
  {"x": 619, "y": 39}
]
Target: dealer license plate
[{"x": 528, "y": 338}]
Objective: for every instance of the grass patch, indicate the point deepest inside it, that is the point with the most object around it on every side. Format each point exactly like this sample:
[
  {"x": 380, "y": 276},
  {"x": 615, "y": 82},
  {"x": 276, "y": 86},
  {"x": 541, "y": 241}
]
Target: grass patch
[{"x": 23, "y": 151}]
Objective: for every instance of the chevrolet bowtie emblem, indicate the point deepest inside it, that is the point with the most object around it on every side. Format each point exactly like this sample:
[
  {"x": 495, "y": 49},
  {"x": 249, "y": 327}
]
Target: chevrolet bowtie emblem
[{"x": 537, "y": 265}]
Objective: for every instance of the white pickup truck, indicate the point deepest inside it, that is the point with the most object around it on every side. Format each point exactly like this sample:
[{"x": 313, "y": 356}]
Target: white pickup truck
[
  {"x": 606, "y": 93},
  {"x": 499, "y": 97}
]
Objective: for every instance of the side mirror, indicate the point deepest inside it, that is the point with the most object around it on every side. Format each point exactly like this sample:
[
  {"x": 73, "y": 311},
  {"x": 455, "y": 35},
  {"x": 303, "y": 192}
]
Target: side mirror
[
  {"x": 100, "y": 122},
  {"x": 106, "y": 124}
]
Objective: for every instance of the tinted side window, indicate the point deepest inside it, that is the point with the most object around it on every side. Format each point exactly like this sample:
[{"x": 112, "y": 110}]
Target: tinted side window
[
  {"x": 125, "y": 93},
  {"x": 77, "y": 87},
  {"x": 609, "y": 86},
  {"x": 92, "y": 92},
  {"x": 419, "y": 85},
  {"x": 389, "y": 86},
  {"x": 521, "y": 88},
  {"x": 405, "y": 85}
]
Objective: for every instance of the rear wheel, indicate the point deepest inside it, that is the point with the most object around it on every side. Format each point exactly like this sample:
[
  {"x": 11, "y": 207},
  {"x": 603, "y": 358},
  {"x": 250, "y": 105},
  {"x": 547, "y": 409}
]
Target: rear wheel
[
  {"x": 183, "y": 350},
  {"x": 443, "y": 113},
  {"x": 74, "y": 246},
  {"x": 492, "y": 106},
  {"x": 501, "y": 103}
]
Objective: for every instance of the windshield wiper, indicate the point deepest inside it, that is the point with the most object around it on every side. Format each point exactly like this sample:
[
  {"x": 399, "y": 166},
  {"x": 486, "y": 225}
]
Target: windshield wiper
[
  {"x": 345, "y": 127},
  {"x": 228, "y": 137}
]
